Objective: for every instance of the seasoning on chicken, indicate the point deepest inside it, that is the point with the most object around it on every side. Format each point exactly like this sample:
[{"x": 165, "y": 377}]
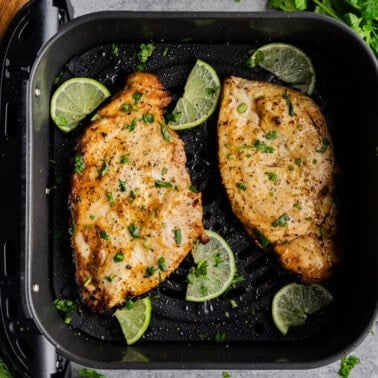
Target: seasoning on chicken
[
  {"x": 135, "y": 214},
  {"x": 277, "y": 165}
]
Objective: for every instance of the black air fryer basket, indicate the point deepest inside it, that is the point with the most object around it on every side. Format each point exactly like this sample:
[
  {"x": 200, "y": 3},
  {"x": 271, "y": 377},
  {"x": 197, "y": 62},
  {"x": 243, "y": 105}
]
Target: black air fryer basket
[{"x": 37, "y": 165}]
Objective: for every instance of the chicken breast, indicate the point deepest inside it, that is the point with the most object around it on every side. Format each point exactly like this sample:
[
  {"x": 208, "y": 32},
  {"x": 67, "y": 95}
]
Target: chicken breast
[
  {"x": 134, "y": 212},
  {"x": 277, "y": 165}
]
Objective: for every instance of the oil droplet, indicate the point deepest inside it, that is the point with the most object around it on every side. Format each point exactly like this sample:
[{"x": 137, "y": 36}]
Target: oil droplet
[
  {"x": 35, "y": 288},
  {"x": 37, "y": 92}
]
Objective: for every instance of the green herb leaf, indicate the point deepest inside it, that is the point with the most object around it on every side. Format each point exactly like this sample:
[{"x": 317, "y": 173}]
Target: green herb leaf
[
  {"x": 287, "y": 97},
  {"x": 137, "y": 96},
  {"x": 65, "y": 305},
  {"x": 281, "y": 221},
  {"x": 261, "y": 146},
  {"x": 263, "y": 240},
  {"x": 105, "y": 168},
  {"x": 241, "y": 186},
  {"x": 150, "y": 271},
  {"x": 234, "y": 304},
  {"x": 79, "y": 163},
  {"x": 124, "y": 159},
  {"x": 165, "y": 132},
  {"x": 111, "y": 277},
  {"x": 173, "y": 117},
  {"x": 193, "y": 189},
  {"x": 201, "y": 269},
  {"x": 104, "y": 235},
  {"x": 126, "y": 108},
  {"x": 297, "y": 205},
  {"x": 129, "y": 304},
  {"x": 272, "y": 176},
  {"x": 161, "y": 264},
  {"x": 242, "y": 108},
  {"x": 132, "y": 126},
  {"x": 298, "y": 162},
  {"x": 145, "y": 51},
  {"x": 115, "y": 49},
  {"x": 148, "y": 118},
  {"x": 271, "y": 135},
  {"x": 324, "y": 147},
  {"x": 163, "y": 184},
  {"x": 118, "y": 257},
  {"x": 134, "y": 230},
  {"x": 347, "y": 364},
  {"x": 164, "y": 171},
  {"x": 220, "y": 337},
  {"x": 178, "y": 235},
  {"x": 110, "y": 197},
  {"x": 122, "y": 185},
  {"x": 217, "y": 260},
  {"x": 226, "y": 374}
]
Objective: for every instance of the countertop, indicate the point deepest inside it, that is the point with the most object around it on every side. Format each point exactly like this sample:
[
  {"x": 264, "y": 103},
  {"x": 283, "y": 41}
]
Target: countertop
[{"x": 367, "y": 351}]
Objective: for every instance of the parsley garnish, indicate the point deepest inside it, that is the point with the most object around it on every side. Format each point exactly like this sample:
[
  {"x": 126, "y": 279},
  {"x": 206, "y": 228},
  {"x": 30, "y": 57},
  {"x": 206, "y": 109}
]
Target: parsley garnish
[
  {"x": 217, "y": 259},
  {"x": 104, "y": 235},
  {"x": 241, "y": 186},
  {"x": 79, "y": 163},
  {"x": 263, "y": 240},
  {"x": 163, "y": 184},
  {"x": 347, "y": 364},
  {"x": 122, "y": 185},
  {"x": 173, "y": 117},
  {"x": 298, "y": 162},
  {"x": 165, "y": 132},
  {"x": 164, "y": 170},
  {"x": 125, "y": 159},
  {"x": 118, "y": 257},
  {"x": 132, "y": 195},
  {"x": 150, "y": 271},
  {"x": 110, "y": 197},
  {"x": 105, "y": 168},
  {"x": 137, "y": 96},
  {"x": 146, "y": 50},
  {"x": 242, "y": 108},
  {"x": 132, "y": 126},
  {"x": 129, "y": 304},
  {"x": 261, "y": 146},
  {"x": 272, "y": 176},
  {"x": 201, "y": 269},
  {"x": 210, "y": 91},
  {"x": 178, "y": 235},
  {"x": 281, "y": 221},
  {"x": 193, "y": 189},
  {"x": 226, "y": 374},
  {"x": 90, "y": 373},
  {"x": 324, "y": 147},
  {"x": 115, "y": 49},
  {"x": 297, "y": 205},
  {"x": 126, "y": 108},
  {"x": 67, "y": 306},
  {"x": 161, "y": 264},
  {"x": 134, "y": 230},
  {"x": 220, "y": 337},
  {"x": 111, "y": 277},
  {"x": 148, "y": 118},
  {"x": 271, "y": 135},
  {"x": 287, "y": 97}
]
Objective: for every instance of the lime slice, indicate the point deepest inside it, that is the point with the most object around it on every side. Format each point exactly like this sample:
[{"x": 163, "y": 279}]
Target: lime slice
[
  {"x": 201, "y": 94},
  {"x": 215, "y": 269},
  {"x": 74, "y": 100},
  {"x": 292, "y": 303},
  {"x": 288, "y": 63},
  {"x": 134, "y": 319}
]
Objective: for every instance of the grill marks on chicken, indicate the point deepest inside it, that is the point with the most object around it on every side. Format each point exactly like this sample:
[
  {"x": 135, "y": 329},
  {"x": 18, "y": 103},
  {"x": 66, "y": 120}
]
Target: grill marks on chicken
[
  {"x": 277, "y": 165},
  {"x": 135, "y": 215}
]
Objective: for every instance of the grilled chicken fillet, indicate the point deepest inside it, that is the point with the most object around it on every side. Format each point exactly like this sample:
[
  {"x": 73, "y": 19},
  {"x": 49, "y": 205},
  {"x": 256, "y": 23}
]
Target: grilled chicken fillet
[
  {"x": 134, "y": 213},
  {"x": 277, "y": 165}
]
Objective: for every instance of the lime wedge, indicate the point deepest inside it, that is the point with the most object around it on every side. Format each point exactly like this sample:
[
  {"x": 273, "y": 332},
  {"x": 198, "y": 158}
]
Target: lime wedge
[
  {"x": 215, "y": 269},
  {"x": 74, "y": 100},
  {"x": 134, "y": 319},
  {"x": 292, "y": 303},
  {"x": 288, "y": 63},
  {"x": 201, "y": 94}
]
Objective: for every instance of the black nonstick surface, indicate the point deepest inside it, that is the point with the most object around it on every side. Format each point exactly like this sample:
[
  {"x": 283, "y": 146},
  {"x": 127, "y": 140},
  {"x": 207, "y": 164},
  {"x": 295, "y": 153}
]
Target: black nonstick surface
[{"x": 175, "y": 319}]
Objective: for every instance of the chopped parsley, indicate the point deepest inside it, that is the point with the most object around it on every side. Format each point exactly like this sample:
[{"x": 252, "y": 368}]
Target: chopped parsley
[
  {"x": 287, "y": 97},
  {"x": 210, "y": 91},
  {"x": 241, "y": 186},
  {"x": 298, "y": 162},
  {"x": 105, "y": 168},
  {"x": 132, "y": 195},
  {"x": 161, "y": 264},
  {"x": 165, "y": 132},
  {"x": 203, "y": 290},
  {"x": 324, "y": 147},
  {"x": 118, "y": 257},
  {"x": 193, "y": 189},
  {"x": 173, "y": 117},
  {"x": 104, "y": 235},
  {"x": 234, "y": 304},
  {"x": 297, "y": 205},
  {"x": 111, "y": 277},
  {"x": 165, "y": 51},
  {"x": 290, "y": 168},
  {"x": 321, "y": 232},
  {"x": 201, "y": 269},
  {"x": 347, "y": 364},
  {"x": 90, "y": 373},
  {"x": 150, "y": 271},
  {"x": 126, "y": 108},
  {"x": 79, "y": 163},
  {"x": 124, "y": 159},
  {"x": 272, "y": 176},
  {"x": 242, "y": 108},
  {"x": 226, "y": 374},
  {"x": 129, "y": 304},
  {"x": 230, "y": 156},
  {"x": 145, "y": 51},
  {"x": 110, "y": 197},
  {"x": 261, "y": 146},
  {"x": 92, "y": 217},
  {"x": 134, "y": 230},
  {"x": 262, "y": 239},
  {"x": 271, "y": 135},
  {"x": 122, "y": 185},
  {"x": 178, "y": 235},
  {"x": 163, "y": 184},
  {"x": 67, "y": 306},
  {"x": 148, "y": 118},
  {"x": 137, "y": 96},
  {"x": 132, "y": 126},
  {"x": 164, "y": 171},
  {"x": 281, "y": 221}
]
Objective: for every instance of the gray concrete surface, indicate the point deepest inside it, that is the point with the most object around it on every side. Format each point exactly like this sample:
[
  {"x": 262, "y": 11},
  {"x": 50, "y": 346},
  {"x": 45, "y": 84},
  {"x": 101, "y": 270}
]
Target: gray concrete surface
[{"x": 367, "y": 351}]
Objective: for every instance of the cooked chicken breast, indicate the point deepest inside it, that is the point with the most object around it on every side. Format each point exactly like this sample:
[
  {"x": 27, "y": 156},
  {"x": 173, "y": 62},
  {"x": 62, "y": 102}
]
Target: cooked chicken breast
[
  {"x": 135, "y": 214},
  {"x": 277, "y": 165}
]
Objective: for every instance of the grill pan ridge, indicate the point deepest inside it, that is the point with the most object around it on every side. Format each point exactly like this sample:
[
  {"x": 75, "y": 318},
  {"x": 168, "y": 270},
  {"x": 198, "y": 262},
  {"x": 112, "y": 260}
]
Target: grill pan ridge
[{"x": 179, "y": 327}]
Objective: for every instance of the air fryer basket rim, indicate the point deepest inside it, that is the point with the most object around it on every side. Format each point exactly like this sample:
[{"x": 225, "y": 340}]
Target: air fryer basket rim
[{"x": 30, "y": 93}]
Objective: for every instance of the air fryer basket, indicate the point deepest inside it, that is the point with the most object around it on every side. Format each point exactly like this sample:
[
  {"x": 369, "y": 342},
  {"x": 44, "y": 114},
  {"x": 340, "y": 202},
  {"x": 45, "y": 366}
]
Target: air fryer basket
[{"x": 182, "y": 334}]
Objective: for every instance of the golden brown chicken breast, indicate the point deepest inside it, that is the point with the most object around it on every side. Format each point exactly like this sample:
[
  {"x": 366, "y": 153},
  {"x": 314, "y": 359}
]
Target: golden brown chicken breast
[
  {"x": 277, "y": 164},
  {"x": 135, "y": 214}
]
